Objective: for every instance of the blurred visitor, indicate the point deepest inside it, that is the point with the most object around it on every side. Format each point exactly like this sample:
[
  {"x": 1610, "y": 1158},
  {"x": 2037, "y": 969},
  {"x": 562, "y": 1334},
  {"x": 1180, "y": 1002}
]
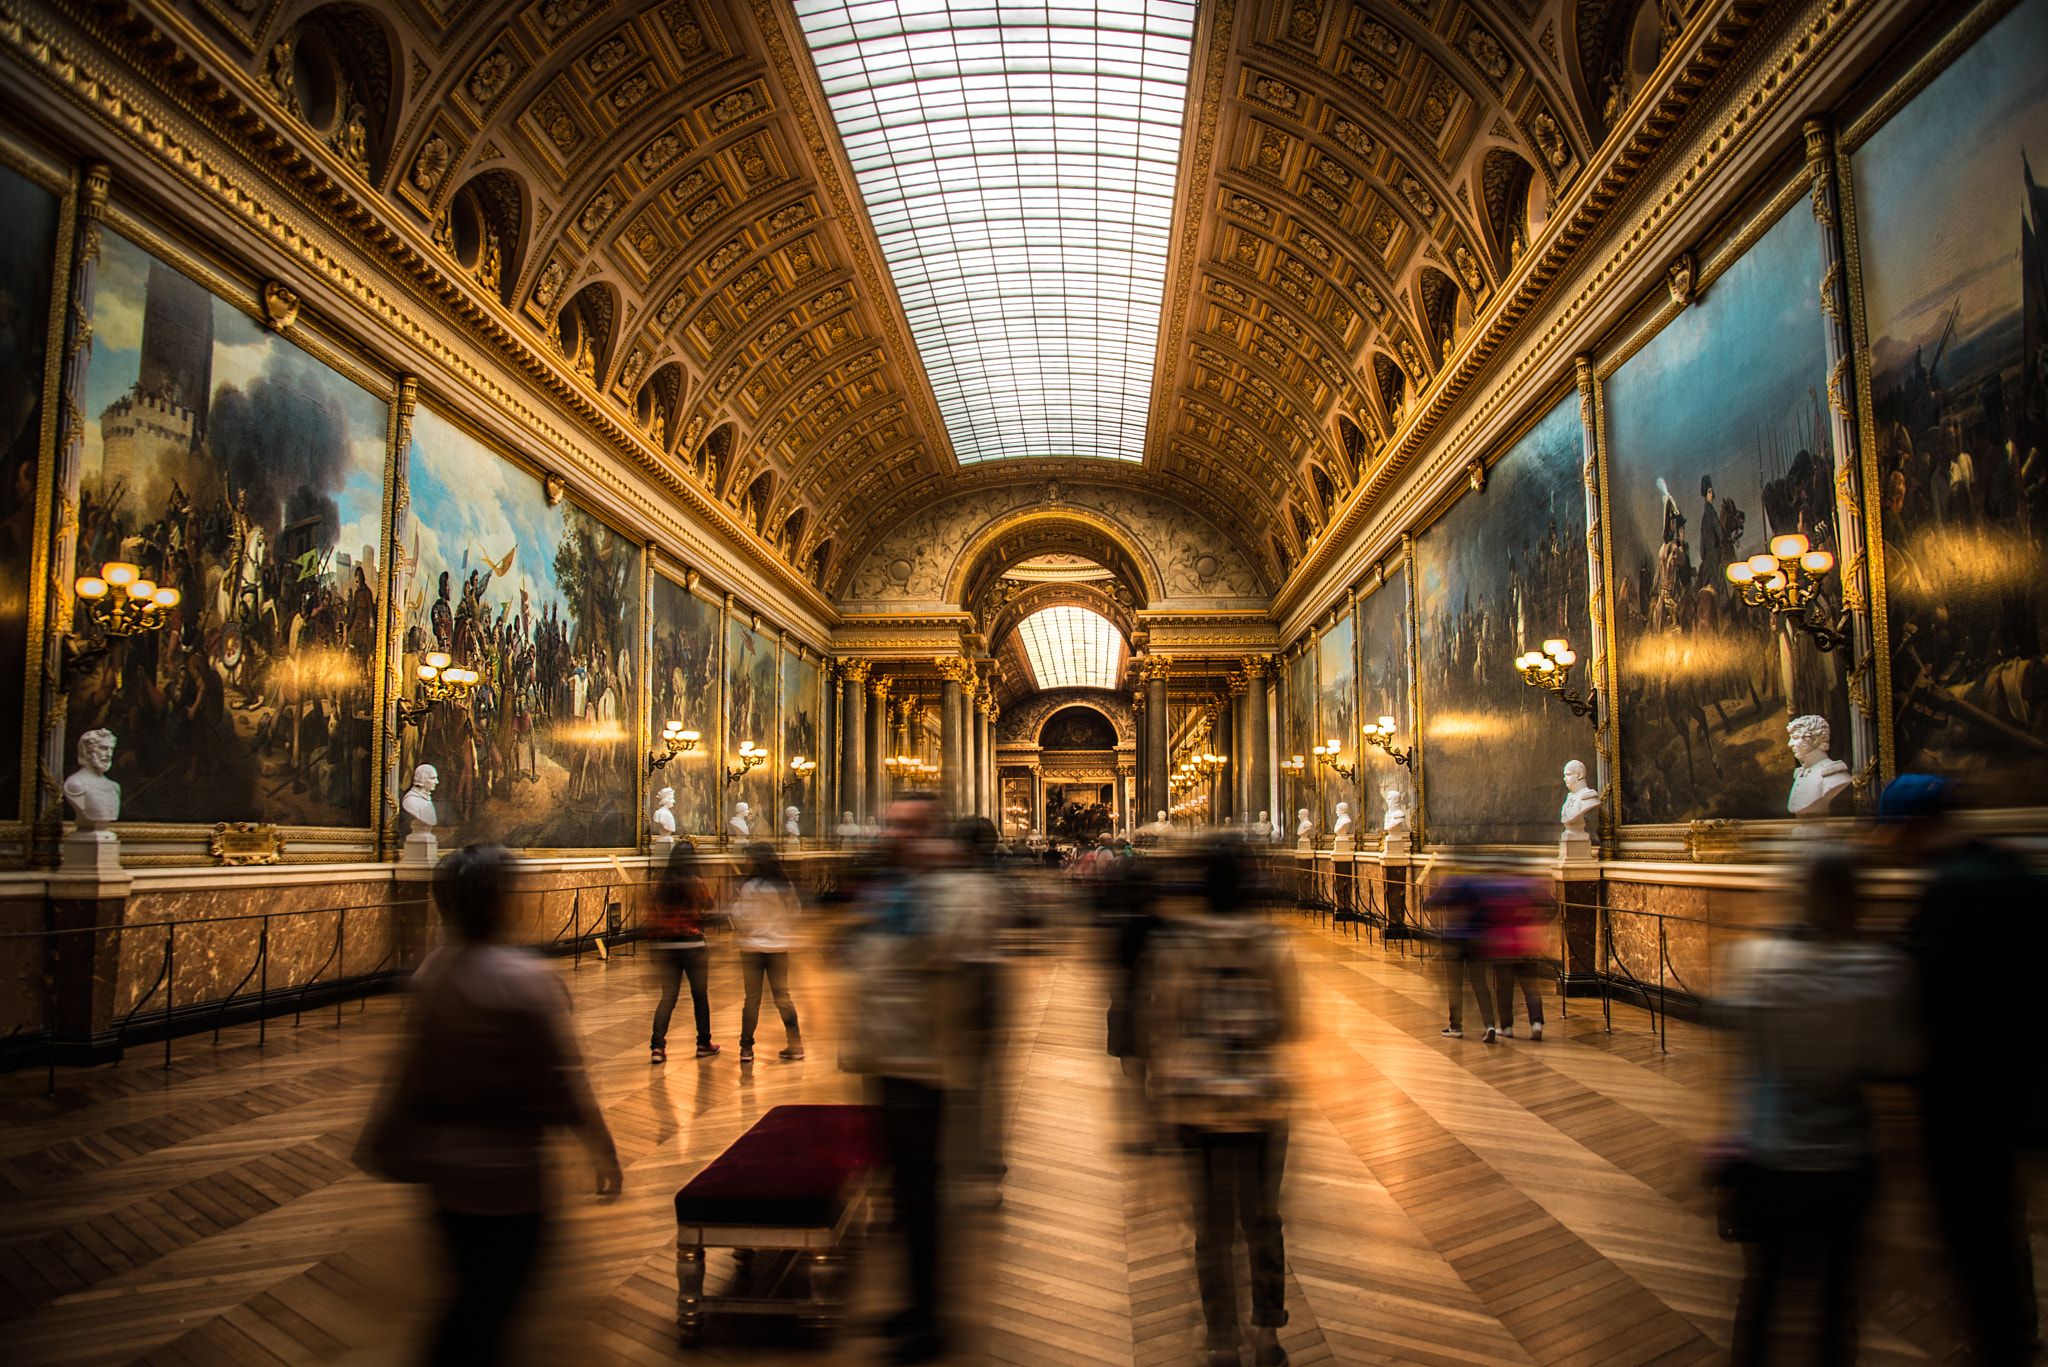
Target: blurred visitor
[
  {"x": 488, "y": 1065},
  {"x": 1515, "y": 915},
  {"x": 1976, "y": 941},
  {"x": 900, "y": 1036},
  {"x": 1123, "y": 895},
  {"x": 1462, "y": 911},
  {"x": 1819, "y": 1014},
  {"x": 1224, "y": 1004},
  {"x": 764, "y": 917},
  {"x": 675, "y": 929},
  {"x": 974, "y": 906}
]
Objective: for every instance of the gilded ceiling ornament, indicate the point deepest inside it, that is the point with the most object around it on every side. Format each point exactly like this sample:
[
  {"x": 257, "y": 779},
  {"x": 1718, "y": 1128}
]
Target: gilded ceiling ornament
[
  {"x": 672, "y": 309},
  {"x": 352, "y": 139},
  {"x": 1680, "y": 278},
  {"x": 1275, "y": 93},
  {"x": 1304, "y": 21},
  {"x": 489, "y": 79},
  {"x": 598, "y": 212},
  {"x": 1380, "y": 39},
  {"x": 1366, "y": 74},
  {"x": 280, "y": 306},
  {"x": 1272, "y": 151},
  {"x": 1486, "y": 52},
  {"x": 1418, "y": 197},
  {"x": 608, "y": 55},
  {"x": 753, "y": 164},
  {"x": 281, "y": 71},
  {"x": 1324, "y": 200},
  {"x": 1436, "y": 106},
  {"x": 1468, "y": 268},
  {"x": 553, "y": 487},
  {"x": 1410, "y": 358},
  {"x": 737, "y": 105},
  {"x": 1550, "y": 141},
  {"x": 433, "y": 162},
  {"x": 557, "y": 15},
  {"x": 629, "y": 378},
  {"x": 1355, "y": 137},
  {"x": 554, "y": 120},
  {"x": 1245, "y": 207},
  {"x": 660, "y": 152},
  {"x": 552, "y": 277},
  {"x": 1475, "y": 475},
  {"x": 631, "y": 92}
]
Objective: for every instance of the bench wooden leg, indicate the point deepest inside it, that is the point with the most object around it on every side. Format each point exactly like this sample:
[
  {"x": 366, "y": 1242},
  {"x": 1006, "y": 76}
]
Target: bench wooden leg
[
  {"x": 827, "y": 1270},
  {"x": 690, "y": 1293}
]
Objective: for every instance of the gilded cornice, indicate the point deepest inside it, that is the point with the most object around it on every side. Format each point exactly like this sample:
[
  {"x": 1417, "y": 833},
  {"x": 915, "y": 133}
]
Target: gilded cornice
[{"x": 215, "y": 97}]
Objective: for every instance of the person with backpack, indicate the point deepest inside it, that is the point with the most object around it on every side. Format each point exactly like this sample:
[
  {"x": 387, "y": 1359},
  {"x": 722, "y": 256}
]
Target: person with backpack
[
  {"x": 764, "y": 916},
  {"x": 1224, "y": 1004},
  {"x": 676, "y": 931},
  {"x": 1515, "y": 917},
  {"x": 1462, "y": 904}
]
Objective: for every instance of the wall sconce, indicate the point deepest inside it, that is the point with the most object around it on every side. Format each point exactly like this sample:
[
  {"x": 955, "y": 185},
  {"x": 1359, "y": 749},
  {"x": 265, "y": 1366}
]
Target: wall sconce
[
  {"x": 1380, "y": 736},
  {"x": 1294, "y": 766},
  {"x": 440, "y": 680},
  {"x": 1550, "y": 668},
  {"x": 1326, "y": 756},
  {"x": 674, "y": 741},
  {"x": 121, "y": 603},
  {"x": 1786, "y": 579},
  {"x": 749, "y": 758},
  {"x": 800, "y": 771}
]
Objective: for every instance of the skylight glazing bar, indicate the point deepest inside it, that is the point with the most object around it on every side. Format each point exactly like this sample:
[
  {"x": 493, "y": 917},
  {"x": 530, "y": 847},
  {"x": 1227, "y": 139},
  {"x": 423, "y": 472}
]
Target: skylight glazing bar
[{"x": 1018, "y": 163}]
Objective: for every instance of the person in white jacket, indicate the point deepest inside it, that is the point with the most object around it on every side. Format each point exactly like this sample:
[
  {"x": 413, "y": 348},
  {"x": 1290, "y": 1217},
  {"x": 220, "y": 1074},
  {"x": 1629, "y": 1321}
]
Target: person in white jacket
[{"x": 764, "y": 916}]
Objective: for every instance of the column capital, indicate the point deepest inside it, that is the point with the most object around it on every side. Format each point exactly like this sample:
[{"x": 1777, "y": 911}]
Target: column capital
[
  {"x": 1260, "y": 667},
  {"x": 878, "y": 688},
  {"x": 1153, "y": 668},
  {"x": 1238, "y": 684},
  {"x": 852, "y": 670},
  {"x": 954, "y": 669}
]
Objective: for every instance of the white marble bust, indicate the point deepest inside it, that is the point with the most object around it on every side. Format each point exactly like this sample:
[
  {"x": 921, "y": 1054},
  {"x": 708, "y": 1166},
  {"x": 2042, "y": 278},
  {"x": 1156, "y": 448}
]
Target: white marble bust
[
  {"x": 1817, "y": 779},
  {"x": 1341, "y": 824},
  {"x": 418, "y": 802},
  {"x": 739, "y": 825},
  {"x": 95, "y": 799},
  {"x": 1304, "y": 824},
  {"x": 1580, "y": 799},
  {"x": 1268, "y": 826},
  {"x": 664, "y": 818},
  {"x": 792, "y": 822},
  {"x": 1394, "y": 793}
]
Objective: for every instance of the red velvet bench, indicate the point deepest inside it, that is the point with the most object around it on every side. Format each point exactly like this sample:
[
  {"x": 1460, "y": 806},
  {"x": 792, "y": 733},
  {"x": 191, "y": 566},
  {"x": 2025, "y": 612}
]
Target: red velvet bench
[{"x": 796, "y": 1185}]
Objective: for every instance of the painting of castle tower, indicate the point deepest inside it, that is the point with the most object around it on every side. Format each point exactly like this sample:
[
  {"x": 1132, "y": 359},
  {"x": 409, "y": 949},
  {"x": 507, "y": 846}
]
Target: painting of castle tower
[{"x": 230, "y": 464}]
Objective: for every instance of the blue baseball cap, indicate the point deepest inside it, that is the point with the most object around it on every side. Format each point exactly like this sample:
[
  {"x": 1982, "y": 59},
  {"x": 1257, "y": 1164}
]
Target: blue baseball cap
[{"x": 1911, "y": 797}]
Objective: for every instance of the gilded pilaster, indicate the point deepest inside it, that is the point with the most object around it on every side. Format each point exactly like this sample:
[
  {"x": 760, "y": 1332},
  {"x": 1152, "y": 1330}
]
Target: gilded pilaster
[
  {"x": 388, "y": 752},
  {"x": 1853, "y": 560},
  {"x": 1596, "y": 584},
  {"x": 63, "y": 508}
]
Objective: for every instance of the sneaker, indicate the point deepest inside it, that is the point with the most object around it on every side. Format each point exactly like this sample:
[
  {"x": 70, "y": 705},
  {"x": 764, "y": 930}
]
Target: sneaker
[
  {"x": 1224, "y": 1357},
  {"x": 1507, "y": 1032},
  {"x": 1453, "y": 1032},
  {"x": 793, "y": 1054},
  {"x": 706, "y": 1050},
  {"x": 1536, "y": 1030},
  {"x": 1267, "y": 1352},
  {"x": 746, "y": 1054},
  {"x": 1492, "y": 1036}
]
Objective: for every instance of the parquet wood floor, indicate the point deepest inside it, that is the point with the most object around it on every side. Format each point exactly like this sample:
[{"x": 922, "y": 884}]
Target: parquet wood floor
[{"x": 1447, "y": 1203}]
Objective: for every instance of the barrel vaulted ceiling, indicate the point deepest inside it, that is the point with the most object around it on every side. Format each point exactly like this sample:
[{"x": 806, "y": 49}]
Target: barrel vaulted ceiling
[{"x": 657, "y": 191}]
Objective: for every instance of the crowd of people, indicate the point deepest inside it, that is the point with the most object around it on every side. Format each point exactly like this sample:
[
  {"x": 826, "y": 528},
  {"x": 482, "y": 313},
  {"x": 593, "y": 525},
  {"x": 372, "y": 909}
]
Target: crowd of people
[{"x": 926, "y": 927}]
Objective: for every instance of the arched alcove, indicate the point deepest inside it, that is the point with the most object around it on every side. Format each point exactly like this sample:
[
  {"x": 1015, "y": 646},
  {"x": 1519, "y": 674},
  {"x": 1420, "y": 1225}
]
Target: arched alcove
[{"x": 1077, "y": 726}]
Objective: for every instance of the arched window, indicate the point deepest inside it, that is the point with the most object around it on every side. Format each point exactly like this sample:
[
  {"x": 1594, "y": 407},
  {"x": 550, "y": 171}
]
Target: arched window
[
  {"x": 334, "y": 70},
  {"x": 1504, "y": 183},
  {"x": 583, "y": 330},
  {"x": 655, "y": 408},
  {"x": 1352, "y": 438},
  {"x": 1393, "y": 385},
  {"x": 713, "y": 454}
]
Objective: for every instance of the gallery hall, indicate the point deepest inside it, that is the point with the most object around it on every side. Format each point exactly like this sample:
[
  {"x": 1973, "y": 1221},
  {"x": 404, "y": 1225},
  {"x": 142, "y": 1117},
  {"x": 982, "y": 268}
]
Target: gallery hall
[{"x": 1110, "y": 684}]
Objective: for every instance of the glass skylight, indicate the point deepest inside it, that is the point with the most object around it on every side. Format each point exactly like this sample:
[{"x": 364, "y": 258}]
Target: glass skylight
[
  {"x": 1071, "y": 647},
  {"x": 1018, "y": 162}
]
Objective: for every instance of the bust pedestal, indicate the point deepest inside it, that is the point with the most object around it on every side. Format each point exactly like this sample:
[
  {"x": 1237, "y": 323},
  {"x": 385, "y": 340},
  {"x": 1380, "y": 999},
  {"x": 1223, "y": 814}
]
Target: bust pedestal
[
  {"x": 90, "y": 852},
  {"x": 1342, "y": 846},
  {"x": 1576, "y": 878},
  {"x": 1575, "y": 848},
  {"x": 663, "y": 843},
  {"x": 421, "y": 849},
  {"x": 1395, "y": 855}
]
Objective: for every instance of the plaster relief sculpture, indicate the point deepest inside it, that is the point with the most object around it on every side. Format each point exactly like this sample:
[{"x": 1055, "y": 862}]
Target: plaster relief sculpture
[{"x": 1817, "y": 780}]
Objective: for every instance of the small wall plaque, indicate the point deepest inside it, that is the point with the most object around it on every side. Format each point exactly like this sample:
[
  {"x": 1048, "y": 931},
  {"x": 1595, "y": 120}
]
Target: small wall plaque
[
  {"x": 1714, "y": 842},
  {"x": 245, "y": 842}
]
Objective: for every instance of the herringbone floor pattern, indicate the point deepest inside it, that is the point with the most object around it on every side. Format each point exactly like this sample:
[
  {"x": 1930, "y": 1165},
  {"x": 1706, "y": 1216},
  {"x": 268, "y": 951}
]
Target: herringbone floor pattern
[{"x": 1447, "y": 1203}]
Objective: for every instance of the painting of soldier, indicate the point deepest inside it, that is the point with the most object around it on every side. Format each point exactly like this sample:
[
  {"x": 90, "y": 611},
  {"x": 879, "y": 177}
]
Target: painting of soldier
[
  {"x": 1955, "y": 299},
  {"x": 752, "y": 677},
  {"x": 543, "y": 602},
  {"x": 1383, "y": 685},
  {"x": 228, "y": 464},
  {"x": 1717, "y": 441},
  {"x": 801, "y": 736},
  {"x": 1499, "y": 573}
]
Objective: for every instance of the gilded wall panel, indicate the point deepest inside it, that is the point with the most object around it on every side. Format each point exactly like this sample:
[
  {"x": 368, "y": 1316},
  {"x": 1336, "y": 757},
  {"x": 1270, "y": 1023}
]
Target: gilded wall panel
[
  {"x": 27, "y": 259},
  {"x": 685, "y": 682}
]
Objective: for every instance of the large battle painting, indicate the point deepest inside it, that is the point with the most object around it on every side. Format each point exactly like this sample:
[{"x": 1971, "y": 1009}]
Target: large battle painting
[
  {"x": 27, "y": 258},
  {"x": 1951, "y": 214},
  {"x": 1383, "y": 690},
  {"x": 802, "y": 735},
  {"x": 1501, "y": 572},
  {"x": 544, "y": 603},
  {"x": 1717, "y": 441},
  {"x": 230, "y": 465},
  {"x": 685, "y": 689},
  {"x": 1297, "y": 729},
  {"x": 1337, "y": 712},
  {"x": 751, "y": 681}
]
